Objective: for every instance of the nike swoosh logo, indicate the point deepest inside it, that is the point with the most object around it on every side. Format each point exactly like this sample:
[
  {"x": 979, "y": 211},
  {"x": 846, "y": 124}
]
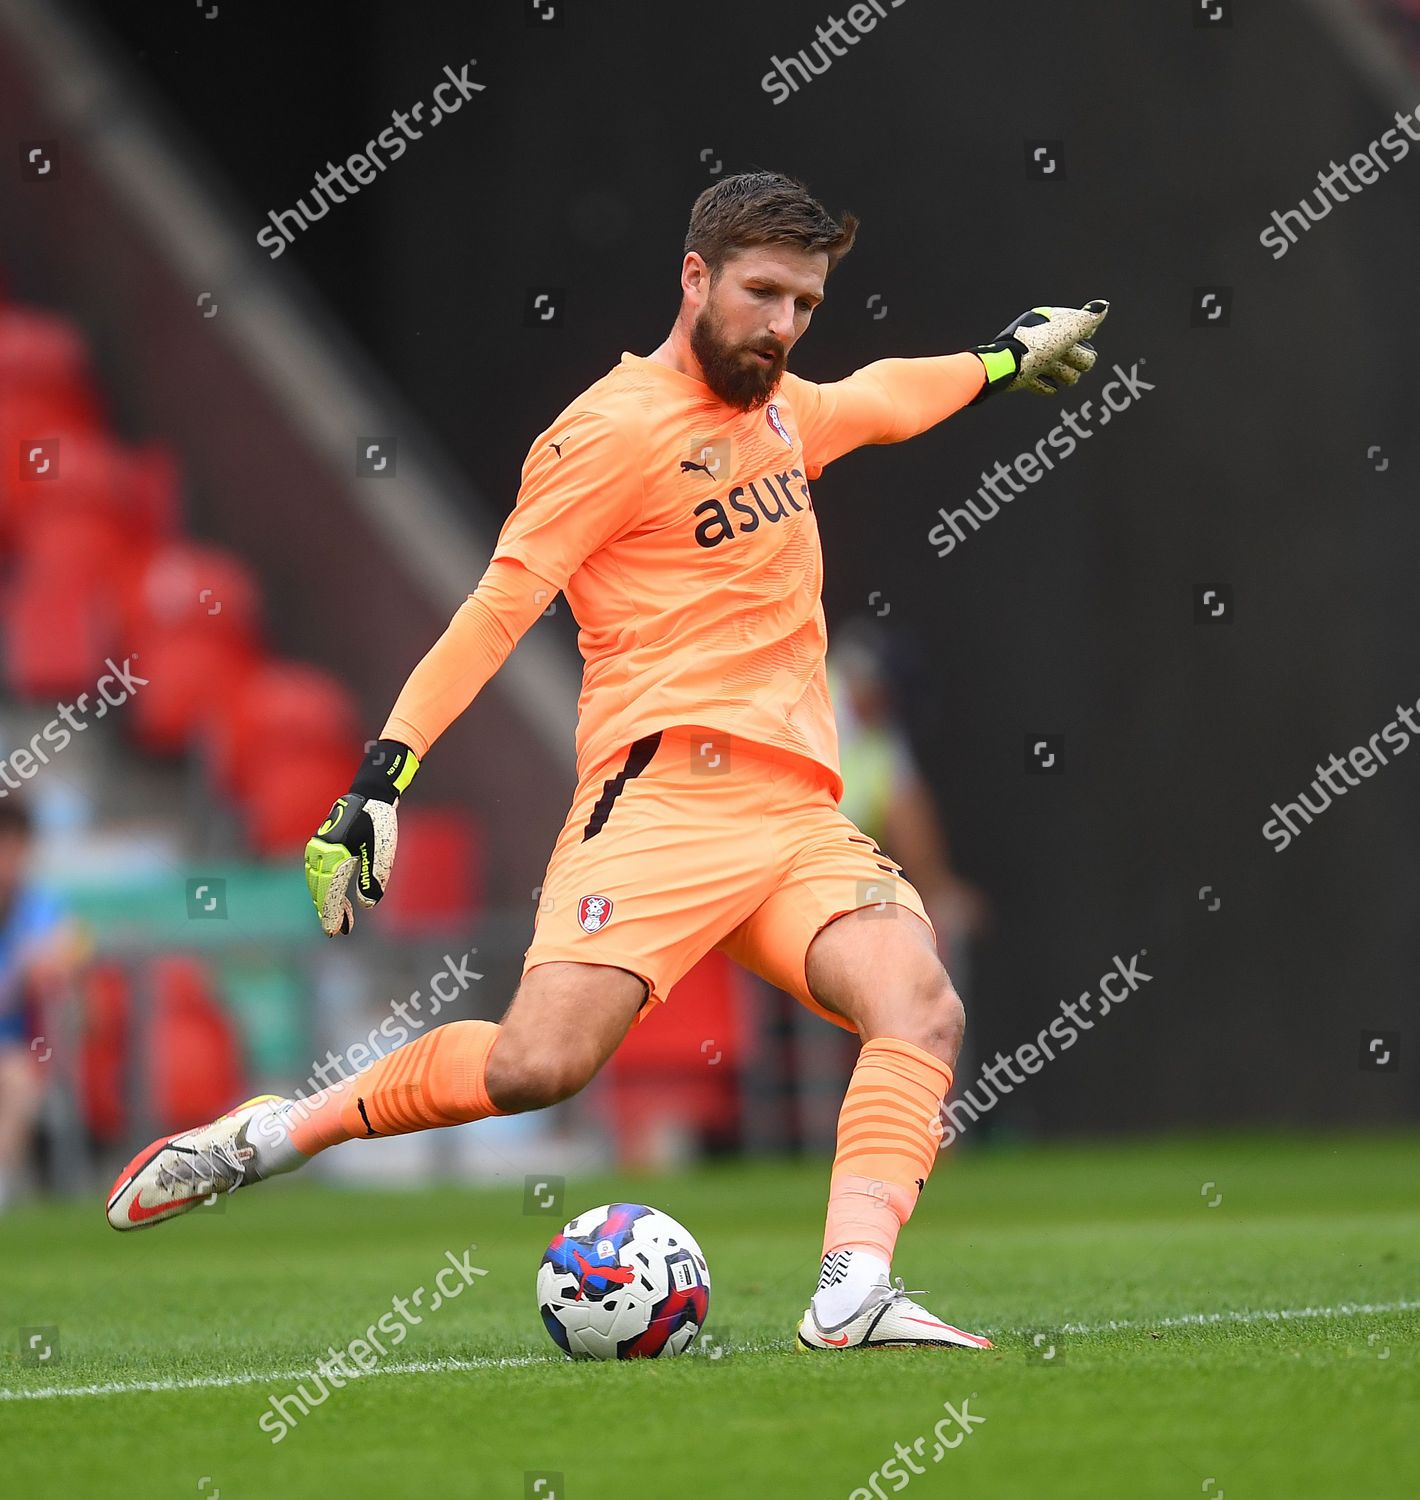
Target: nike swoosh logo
[
  {"x": 838, "y": 1343},
  {"x": 137, "y": 1214},
  {"x": 960, "y": 1332}
]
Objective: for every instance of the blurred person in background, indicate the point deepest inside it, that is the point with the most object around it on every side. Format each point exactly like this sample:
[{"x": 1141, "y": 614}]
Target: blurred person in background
[
  {"x": 884, "y": 791},
  {"x": 38, "y": 948}
]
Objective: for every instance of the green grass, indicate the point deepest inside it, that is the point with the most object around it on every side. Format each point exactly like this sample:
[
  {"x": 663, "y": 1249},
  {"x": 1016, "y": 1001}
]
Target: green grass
[{"x": 1007, "y": 1241}]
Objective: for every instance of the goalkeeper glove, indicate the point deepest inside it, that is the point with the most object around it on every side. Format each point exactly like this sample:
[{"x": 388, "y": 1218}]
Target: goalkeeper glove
[
  {"x": 359, "y": 837},
  {"x": 1042, "y": 350}
]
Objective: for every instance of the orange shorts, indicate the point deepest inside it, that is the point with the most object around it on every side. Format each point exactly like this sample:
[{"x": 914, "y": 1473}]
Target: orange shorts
[{"x": 689, "y": 841}]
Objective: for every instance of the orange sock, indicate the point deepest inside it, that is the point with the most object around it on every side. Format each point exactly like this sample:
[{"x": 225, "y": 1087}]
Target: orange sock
[
  {"x": 435, "y": 1080},
  {"x": 888, "y": 1132}
]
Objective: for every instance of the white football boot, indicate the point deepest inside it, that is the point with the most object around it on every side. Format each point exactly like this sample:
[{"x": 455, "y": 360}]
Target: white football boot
[
  {"x": 887, "y": 1318},
  {"x": 178, "y": 1172}
]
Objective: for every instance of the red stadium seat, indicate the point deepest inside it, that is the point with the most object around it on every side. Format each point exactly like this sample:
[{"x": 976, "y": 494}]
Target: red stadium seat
[
  {"x": 193, "y": 618},
  {"x": 186, "y": 583},
  {"x": 190, "y": 675},
  {"x": 103, "y": 1051},
  {"x": 440, "y": 883},
  {"x": 31, "y": 425},
  {"x": 290, "y": 795},
  {"x": 680, "y": 1065},
  {"x": 89, "y": 475},
  {"x": 284, "y": 709},
  {"x": 193, "y": 1070},
  {"x": 62, "y": 611},
  {"x": 43, "y": 354}
]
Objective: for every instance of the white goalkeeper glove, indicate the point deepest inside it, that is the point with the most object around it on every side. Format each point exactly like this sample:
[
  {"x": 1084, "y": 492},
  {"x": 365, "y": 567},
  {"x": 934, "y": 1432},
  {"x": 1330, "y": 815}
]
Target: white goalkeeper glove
[
  {"x": 1043, "y": 350},
  {"x": 359, "y": 837}
]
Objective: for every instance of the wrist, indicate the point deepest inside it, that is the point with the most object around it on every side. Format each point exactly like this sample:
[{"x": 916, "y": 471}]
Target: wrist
[
  {"x": 1002, "y": 362},
  {"x": 387, "y": 770}
]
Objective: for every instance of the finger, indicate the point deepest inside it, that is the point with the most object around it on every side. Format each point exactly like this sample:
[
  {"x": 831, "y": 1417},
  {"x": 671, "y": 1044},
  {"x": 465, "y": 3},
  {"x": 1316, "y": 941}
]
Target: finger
[
  {"x": 1099, "y": 306},
  {"x": 383, "y": 841},
  {"x": 336, "y": 913},
  {"x": 1039, "y": 387},
  {"x": 1079, "y": 357},
  {"x": 1062, "y": 373}
]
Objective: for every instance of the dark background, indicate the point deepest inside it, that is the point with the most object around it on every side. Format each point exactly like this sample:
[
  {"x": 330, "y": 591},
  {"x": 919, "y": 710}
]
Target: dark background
[{"x": 1072, "y": 611}]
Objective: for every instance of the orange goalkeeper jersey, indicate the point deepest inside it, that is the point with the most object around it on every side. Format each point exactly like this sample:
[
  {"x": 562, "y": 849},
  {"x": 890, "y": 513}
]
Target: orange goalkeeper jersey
[{"x": 683, "y": 534}]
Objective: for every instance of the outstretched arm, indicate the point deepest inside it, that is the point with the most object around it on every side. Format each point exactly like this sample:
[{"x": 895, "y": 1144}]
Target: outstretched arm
[{"x": 891, "y": 400}]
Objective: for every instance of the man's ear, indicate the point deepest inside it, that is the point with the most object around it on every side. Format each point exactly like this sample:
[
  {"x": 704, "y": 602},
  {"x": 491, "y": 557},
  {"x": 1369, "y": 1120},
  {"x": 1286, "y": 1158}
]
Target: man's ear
[{"x": 695, "y": 277}]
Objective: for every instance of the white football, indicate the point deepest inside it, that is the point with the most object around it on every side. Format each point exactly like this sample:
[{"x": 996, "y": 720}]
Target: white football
[{"x": 623, "y": 1281}]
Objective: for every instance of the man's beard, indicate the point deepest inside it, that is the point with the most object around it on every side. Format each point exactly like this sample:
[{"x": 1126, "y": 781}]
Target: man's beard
[{"x": 731, "y": 371}]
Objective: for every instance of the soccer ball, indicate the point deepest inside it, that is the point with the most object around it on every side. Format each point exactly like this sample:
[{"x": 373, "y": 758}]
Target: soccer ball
[{"x": 623, "y": 1282}]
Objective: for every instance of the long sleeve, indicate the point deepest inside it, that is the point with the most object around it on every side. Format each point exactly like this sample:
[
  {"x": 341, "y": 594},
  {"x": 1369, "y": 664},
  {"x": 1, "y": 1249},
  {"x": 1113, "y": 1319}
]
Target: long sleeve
[
  {"x": 479, "y": 639},
  {"x": 580, "y": 489},
  {"x": 887, "y": 401}
]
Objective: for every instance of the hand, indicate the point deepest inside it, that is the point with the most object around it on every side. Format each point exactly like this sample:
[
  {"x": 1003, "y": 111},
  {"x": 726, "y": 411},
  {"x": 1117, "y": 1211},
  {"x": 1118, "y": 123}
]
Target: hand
[
  {"x": 1043, "y": 350},
  {"x": 359, "y": 837}
]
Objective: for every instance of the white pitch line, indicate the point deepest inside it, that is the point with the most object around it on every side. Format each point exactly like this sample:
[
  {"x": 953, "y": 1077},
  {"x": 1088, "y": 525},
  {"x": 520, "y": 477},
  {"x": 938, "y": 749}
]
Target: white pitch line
[
  {"x": 1262, "y": 1315},
  {"x": 509, "y": 1362},
  {"x": 272, "y": 1377}
]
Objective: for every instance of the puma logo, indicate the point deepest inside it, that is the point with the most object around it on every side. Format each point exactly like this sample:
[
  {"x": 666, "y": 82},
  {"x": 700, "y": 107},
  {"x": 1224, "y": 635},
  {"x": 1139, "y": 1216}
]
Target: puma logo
[
  {"x": 686, "y": 465},
  {"x": 557, "y": 447}
]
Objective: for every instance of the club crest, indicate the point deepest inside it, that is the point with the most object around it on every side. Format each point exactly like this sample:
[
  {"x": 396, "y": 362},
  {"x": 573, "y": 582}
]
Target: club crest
[
  {"x": 593, "y": 913},
  {"x": 771, "y": 413}
]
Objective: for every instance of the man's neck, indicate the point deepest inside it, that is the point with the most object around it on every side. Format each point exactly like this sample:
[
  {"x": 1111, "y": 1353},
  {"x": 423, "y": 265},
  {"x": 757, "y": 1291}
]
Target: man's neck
[{"x": 677, "y": 353}]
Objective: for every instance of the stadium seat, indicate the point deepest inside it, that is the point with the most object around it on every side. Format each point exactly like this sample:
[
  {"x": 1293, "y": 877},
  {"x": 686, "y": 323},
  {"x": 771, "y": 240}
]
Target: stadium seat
[
  {"x": 289, "y": 793},
  {"x": 46, "y": 393},
  {"x": 440, "y": 884},
  {"x": 193, "y": 1069},
  {"x": 193, "y": 617},
  {"x": 54, "y": 652},
  {"x": 87, "y": 475},
  {"x": 283, "y": 709},
  {"x": 103, "y": 1051},
  {"x": 44, "y": 354},
  {"x": 30, "y": 427},
  {"x": 680, "y": 1066}
]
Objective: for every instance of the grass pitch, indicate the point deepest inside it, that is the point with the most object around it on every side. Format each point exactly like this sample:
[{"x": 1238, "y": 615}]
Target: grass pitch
[{"x": 1263, "y": 1346}]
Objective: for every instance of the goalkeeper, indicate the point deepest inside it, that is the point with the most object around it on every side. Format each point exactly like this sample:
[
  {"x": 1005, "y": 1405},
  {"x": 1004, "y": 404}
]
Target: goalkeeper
[{"x": 671, "y": 503}]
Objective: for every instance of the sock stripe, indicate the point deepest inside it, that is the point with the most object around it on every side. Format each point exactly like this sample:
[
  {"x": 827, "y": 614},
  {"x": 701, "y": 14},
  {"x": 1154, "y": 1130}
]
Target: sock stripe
[
  {"x": 850, "y": 1132},
  {"x": 888, "y": 1137},
  {"x": 904, "y": 1061},
  {"x": 391, "y": 1077},
  {"x": 878, "y": 1139},
  {"x": 435, "y": 1080},
  {"x": 419, "y": 1088}
]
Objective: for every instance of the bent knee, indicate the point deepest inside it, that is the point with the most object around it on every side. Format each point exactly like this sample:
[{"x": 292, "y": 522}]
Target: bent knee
[
  {"x": 930, "y": 1016},
  {"x": 518, "y": 1081}
]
